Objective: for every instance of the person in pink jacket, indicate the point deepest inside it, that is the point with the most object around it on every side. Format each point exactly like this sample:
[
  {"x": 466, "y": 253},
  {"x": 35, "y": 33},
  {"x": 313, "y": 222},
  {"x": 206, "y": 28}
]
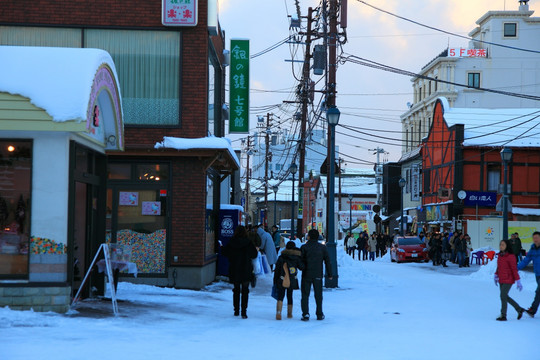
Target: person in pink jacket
[{"x": 505, "y": 276}]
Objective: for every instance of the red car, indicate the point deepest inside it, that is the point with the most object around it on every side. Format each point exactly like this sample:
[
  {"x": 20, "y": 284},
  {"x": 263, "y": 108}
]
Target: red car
[{"x": 408, "y": 248}]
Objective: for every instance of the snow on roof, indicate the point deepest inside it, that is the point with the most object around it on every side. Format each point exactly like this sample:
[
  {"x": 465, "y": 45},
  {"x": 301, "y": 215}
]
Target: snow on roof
[
  {"x": 210, "y": 142},
  {"x": 58, "y": 80},
  {"x": 496, "y": 127},
  {"x": 525, "y": 211},
  {"x": 359, "y": 171},
  {"x": 227, "y": 207}
]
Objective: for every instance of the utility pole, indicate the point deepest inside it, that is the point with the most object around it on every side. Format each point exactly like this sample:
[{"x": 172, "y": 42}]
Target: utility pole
[
  {"x": 378, "y": 172},
  {"x": 248, "y": 170},
  {"x": 266, "y": 159},
  {"x": 305, "y": 100}
]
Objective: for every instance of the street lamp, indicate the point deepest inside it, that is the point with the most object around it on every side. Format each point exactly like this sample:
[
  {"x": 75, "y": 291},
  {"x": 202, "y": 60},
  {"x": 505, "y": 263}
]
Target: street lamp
[
  {"x": 332, "y": 116},
  {"x": 506, "y": 157},
  {"x": 275, "y": 188},
  {"x": 350, "y": 213},
  {"x": 293, "y": 168},
  {"x": 402, "y": 183}
]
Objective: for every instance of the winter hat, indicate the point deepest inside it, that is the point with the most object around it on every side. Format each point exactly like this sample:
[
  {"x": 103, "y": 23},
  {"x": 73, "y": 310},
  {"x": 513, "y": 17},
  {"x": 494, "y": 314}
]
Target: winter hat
[{"x": 290, "y": 245}]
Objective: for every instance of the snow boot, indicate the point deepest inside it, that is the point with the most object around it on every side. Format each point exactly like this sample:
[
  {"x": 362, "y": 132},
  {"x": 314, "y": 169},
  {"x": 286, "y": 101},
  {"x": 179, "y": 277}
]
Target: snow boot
[
  {"x": 501, "y": 318},
  {"x": 245, "y": 297},
  {"x": 279, "y": 306},
  {"x": 520, "y": 313},
  {"x": 530, "y": 312},
  {"x": 289, "y": 311}
]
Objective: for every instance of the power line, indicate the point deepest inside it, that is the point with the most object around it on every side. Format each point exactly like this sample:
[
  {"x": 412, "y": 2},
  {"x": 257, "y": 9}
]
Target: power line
[{"x": 447, "y": 32}]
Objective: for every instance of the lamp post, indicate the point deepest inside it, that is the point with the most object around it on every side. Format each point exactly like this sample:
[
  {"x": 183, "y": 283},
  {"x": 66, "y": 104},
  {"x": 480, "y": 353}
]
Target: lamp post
[
  {"x": 293, "y": 168},
  {"x": 402, "y": 183},
  {"x": 506, "y": 157},
  {"x": 275, "y": 188},
  {"x": 350, "y": 213},
  {"x": 332, "y": 116}
]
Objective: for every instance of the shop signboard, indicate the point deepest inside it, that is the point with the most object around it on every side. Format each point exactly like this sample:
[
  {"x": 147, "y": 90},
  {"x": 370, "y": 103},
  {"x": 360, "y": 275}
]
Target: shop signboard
[
  {"x": 487, "y": 199},
  {"x": 239, "y": 86},
  {"x": 461, "y": 52},
  {"x": 179, "y": 12}
]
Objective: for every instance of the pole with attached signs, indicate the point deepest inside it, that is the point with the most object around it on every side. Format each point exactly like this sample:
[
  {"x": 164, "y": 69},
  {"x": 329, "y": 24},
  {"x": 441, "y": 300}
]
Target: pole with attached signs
[{"x": 239, "y": 86}]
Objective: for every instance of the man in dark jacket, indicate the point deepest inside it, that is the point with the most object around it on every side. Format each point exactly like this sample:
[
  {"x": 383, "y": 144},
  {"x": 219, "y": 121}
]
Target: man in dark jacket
[
  {"x": 361, "y": 246},
  {"x": 313, "y": 255}
]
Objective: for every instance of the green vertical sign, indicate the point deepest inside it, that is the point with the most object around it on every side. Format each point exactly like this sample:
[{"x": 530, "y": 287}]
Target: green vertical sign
[{"x": 239, "y": 87}]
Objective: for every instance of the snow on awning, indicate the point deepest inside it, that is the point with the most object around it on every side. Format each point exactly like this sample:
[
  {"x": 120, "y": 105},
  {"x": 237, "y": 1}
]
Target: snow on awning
[
  {"x": 206, "y": 143},
  {"x": 525, "y": 211}
]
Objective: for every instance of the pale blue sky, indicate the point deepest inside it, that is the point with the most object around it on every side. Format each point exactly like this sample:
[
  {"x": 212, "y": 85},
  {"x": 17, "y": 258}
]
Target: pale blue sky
[{"x": 372, "y": 35}]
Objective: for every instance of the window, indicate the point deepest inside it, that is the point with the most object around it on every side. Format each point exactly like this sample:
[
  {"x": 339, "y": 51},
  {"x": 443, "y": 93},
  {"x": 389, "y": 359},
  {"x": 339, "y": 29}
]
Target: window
[
  {"x": 436, "y": 83},
  {"x": 473, "y": 80},
  {"x": 510, "y": 29},
  {"x": 16, "y": 170},
  {"x": 493, "y": 178},
  {"x": 148, "y": 68}
]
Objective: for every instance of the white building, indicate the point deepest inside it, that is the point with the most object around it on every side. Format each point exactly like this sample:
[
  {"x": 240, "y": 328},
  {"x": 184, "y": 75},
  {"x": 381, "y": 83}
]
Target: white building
[{"x": 482, "y": 65}]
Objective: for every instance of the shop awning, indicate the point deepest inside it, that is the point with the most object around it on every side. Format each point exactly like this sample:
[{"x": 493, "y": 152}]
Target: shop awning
[
  {"x": 64, "y": 90},
  {"x": 216, "y": 153}
]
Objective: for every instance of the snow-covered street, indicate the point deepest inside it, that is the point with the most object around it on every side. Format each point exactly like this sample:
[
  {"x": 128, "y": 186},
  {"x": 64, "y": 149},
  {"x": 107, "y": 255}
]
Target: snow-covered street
[{"x": 382, "y": 310}]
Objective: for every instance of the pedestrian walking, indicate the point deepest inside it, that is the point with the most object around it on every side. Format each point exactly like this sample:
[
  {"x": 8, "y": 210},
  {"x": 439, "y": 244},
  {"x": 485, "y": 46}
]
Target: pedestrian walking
[
  {"x": 267, "y": 246},
  {"x": 446, "y": 250},
  {"x": 313, "y": 257},
  {"x": 534, "y": 256},
  {"x": 372, "y": 247},
  {"x": 469, "y": 250},
  {"x": 361, "y": 245},
  {"x": 286, "y": 277},
  {"x": 351, "y": 244},
  {"x": 276, "y": 236},
  {"x": 436, "y": 249},
  {"x": 516, "y": 246},
  {"x": 505, "y": 276},
  {"x": 461, "y": 249},
  {"x": 240, "y": 250}
]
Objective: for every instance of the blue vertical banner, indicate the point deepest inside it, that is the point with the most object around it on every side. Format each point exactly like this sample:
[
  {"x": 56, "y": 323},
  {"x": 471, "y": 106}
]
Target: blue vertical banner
[{"x": 239, "y": 86}]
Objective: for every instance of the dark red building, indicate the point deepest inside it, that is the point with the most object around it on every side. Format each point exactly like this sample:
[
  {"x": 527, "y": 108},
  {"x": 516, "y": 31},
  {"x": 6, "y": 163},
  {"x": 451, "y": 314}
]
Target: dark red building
[{"x": 462, "y": 153}]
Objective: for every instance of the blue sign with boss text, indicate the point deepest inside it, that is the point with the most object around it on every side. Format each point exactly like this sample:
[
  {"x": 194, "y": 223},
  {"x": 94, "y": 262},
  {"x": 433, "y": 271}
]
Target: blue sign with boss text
[{"x": 487, "y": 199}]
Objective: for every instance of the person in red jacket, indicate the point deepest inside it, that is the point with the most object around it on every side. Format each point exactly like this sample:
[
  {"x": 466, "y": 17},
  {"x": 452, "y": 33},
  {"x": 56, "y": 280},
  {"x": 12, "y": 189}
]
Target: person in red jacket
[{"x": 505, "y": 276}]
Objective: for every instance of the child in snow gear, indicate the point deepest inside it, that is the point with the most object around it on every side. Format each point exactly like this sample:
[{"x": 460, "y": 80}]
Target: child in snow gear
[
  {"x": 240, "y": 250},
  {"x": 286, "y": 277},
  {"x": 505, "y": 276}
]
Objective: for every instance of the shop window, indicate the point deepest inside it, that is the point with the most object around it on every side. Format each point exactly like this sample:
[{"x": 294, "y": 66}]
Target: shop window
[
  {"x": 15, "y": 187},
  {"x": 152, "y": 172},
  {"x": 510, "y": 30},
  {"x": 119, "y": 171},
  {"x": 142, "y": 225},
  {"x": 148, "y": 67}
]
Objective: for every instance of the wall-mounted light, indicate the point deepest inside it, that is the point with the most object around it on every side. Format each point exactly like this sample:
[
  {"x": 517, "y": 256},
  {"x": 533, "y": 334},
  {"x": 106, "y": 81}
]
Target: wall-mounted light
[
  {"x": 11, "y": 148},
  {"x": 111, "y": 139}
]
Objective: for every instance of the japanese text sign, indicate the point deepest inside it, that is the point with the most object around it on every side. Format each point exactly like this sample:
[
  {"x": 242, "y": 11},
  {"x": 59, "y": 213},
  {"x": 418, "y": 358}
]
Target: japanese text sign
[
  {"x": 461, "y": 52},
  {"x": 488, "y": 199},
  {"x": 239, "y": 86},
  {"x": 179, "y": 12}
]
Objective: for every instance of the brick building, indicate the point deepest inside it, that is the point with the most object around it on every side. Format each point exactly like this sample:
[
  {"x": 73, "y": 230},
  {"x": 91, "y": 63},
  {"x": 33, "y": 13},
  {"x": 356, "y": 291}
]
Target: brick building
[{"x": 172, "y": 85}]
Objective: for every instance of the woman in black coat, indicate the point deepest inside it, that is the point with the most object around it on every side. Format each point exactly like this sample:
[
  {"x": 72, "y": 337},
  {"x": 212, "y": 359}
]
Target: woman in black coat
[
  {"x": 291, "y": 256},
  {"x": 240, "y": 250}
]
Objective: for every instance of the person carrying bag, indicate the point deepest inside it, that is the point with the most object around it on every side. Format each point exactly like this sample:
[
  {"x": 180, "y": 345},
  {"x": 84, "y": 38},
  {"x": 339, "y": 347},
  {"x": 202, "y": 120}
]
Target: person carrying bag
[{"x": 286, "y": 277}]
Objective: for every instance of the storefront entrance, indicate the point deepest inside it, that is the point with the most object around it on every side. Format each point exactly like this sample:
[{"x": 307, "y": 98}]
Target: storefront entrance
[{"x": 86, "y": 224}]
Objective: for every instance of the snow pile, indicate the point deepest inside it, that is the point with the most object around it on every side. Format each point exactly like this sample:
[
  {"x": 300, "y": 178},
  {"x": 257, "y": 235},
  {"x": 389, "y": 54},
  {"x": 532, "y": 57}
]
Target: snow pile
[
  {"x": 486, "y": 271},
  {"x": 58, "y": 80}
]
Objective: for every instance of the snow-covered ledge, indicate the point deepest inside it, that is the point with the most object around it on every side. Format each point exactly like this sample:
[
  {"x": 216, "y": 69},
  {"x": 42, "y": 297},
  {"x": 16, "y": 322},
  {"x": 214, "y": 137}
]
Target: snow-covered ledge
[{"x": 210, "y": 142}]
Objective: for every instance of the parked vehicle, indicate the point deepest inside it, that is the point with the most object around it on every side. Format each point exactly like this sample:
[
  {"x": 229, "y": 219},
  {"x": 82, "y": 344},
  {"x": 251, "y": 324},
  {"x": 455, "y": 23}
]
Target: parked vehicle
[{"x": 408, "y": 248}]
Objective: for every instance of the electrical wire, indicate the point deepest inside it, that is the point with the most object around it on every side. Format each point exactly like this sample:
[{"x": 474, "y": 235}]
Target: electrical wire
[{"x": 447, "y": 32}]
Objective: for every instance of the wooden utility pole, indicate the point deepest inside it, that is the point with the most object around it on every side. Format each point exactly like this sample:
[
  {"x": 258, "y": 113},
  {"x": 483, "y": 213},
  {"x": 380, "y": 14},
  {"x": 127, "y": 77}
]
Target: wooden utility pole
[
  {"x": 305, "y": 100},
  {"x": 266, "y": 159},
  {"x": 248, "y": 170}
]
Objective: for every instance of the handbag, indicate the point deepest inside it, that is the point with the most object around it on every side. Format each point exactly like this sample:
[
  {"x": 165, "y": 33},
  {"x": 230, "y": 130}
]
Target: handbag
[
  {"x": 265, "y": 265},
  {"x": 257, "y": 265},
  {"x": 286, "y": 276},
  {"x": 274, "y": 293}
]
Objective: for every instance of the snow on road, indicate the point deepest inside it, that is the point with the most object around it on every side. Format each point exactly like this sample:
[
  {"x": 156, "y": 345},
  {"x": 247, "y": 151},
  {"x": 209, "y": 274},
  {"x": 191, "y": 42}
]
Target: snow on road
[{"x": 382, "y": 310}]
